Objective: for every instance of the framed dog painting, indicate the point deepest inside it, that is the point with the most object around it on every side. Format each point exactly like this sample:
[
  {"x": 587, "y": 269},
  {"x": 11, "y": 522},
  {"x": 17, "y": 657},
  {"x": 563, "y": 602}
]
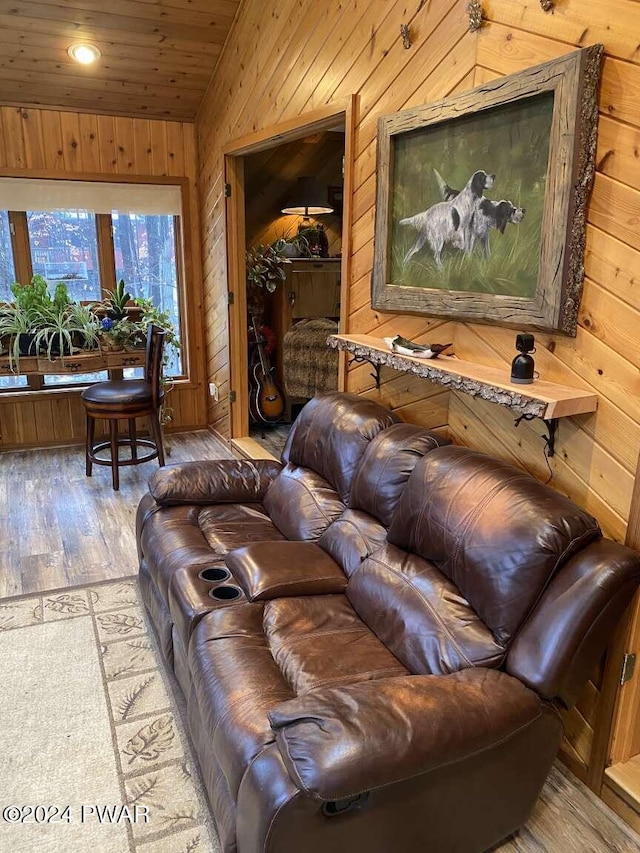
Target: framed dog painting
[{"x": 481, "y": 199}]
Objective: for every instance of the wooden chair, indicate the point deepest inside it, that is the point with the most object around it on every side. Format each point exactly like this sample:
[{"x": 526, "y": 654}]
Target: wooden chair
[{"x": 127, "y": 399}]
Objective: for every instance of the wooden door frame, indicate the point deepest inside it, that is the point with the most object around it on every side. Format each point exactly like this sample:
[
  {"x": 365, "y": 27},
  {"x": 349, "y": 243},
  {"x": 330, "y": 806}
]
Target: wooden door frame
[
  {"x": 234, "y": 152},
  {"x": 618, "y": 705}
]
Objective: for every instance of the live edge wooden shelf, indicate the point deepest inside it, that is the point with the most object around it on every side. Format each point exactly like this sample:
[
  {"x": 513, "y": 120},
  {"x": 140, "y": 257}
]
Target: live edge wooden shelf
[{"x": 541, "y": 399}]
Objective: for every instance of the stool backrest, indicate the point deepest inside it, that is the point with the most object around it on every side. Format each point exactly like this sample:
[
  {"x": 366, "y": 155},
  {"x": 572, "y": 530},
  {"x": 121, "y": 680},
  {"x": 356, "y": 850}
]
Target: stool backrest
[{"x": 153, "y": 363}]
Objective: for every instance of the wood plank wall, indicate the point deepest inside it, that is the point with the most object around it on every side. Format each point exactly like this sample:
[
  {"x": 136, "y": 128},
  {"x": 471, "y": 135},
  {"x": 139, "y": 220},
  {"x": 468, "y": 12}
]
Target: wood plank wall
[
  {"x": 277, "y": 66},
  {"x": 598, "y": 453},
  {"x": 54, "y": 143}
]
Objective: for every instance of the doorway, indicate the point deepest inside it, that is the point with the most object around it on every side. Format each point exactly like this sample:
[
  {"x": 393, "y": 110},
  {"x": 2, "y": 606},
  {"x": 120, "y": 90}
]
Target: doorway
[{"x": 261, "y": 172}]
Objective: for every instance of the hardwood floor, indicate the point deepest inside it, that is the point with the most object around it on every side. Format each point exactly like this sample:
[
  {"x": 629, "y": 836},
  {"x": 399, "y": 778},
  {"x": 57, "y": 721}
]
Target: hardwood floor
[
  {"x": 272, "y": 438},
  {"x": 59, "y": 528}
]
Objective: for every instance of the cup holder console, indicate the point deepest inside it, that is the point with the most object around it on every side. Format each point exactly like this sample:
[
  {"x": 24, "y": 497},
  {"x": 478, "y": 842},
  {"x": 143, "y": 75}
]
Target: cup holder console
[
  {"x": 214, "y": 575},
  {"x": 225, "y": 593}
]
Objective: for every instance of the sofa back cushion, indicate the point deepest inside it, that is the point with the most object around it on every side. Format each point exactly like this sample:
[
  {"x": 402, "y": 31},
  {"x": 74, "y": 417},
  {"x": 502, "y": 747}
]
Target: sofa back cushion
[
  {"x": 385, "y": 468},
  {"x": 352, "y": 538},
  {"x": 320, "y": 457},
  {"x": 301, "y": 503},
  {"x": 498, "y": 534},
  {"x": 419, "y": 614},
  {"x": 330, "y": 435}
]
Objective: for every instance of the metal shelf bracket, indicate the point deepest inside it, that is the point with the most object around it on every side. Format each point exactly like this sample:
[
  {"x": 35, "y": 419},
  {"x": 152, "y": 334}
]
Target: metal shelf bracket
[
  {"x": 360, "y": 359},
  {"x": 552, "y": 429}
]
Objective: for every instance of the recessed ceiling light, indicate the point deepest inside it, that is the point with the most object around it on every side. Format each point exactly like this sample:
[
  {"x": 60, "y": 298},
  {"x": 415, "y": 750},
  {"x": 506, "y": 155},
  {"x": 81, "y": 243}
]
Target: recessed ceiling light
[{"x": 84, "y": 53}]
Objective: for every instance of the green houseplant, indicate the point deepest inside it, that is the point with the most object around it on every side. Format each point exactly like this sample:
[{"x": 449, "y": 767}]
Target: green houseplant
[
  {"x": 117, "y": 301},
  {"x": 15, "y": 327},
  {"x": 64, "y": 329},
  {"x": 293, "y": 247},
  {"x": 265, "y": 267},
  {"x": 265, "y": 271},
  {"x": 38, "y": 323}
]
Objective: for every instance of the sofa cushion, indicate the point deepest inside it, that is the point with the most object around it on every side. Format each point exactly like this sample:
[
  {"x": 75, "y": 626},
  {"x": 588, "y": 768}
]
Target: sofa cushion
[
  {"x": 320, "y": 640},
  {"x": 340, "y": 741},
  {"x": 385, "y": 467},
  {"x": 247, "y": 659},
  {"x": 235, "y": 682},
  {"x": 420, "y": 615},
  {"x": 493, "y": 530},
  {"x": 351, "y": 538},
  {"x": 332, "y": 432},
  {"x": 301, "y": 503},
  {"x": 229, "y": 526}
]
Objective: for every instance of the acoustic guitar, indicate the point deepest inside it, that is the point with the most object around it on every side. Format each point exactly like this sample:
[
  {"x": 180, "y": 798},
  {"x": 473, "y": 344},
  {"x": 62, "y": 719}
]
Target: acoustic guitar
[{"x": 266, "y": 401}]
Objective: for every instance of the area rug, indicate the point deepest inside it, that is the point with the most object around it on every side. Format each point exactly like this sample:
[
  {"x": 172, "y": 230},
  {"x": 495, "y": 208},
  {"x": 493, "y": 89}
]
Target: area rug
[{"x": 94, "y": 751}]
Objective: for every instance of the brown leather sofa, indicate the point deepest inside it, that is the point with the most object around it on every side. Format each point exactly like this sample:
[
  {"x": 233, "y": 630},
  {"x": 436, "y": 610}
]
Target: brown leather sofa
[{"x": 374, "y": 637}]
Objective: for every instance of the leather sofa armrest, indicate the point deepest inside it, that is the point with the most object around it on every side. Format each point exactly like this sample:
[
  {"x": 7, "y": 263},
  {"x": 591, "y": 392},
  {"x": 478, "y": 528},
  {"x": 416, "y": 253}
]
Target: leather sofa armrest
[
  {"x": 559, "y": 646},
  {"x": 338, "y": 742},
  {"x": 213, "y": 481},
  {"x": 267, "y": 570}
]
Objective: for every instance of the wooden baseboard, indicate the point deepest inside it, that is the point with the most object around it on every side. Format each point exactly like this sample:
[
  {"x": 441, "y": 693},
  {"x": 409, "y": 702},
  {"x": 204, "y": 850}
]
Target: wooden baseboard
[
  {"x": 249, "y": 448},
  {"x": 572, "y": 760},
  {"x": 620, "y": 806},
  {"x": 623, "y": 780}
]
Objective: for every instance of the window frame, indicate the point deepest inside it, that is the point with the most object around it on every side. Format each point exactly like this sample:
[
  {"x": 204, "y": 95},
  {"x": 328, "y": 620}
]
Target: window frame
[{"x": 23, "y": 266}]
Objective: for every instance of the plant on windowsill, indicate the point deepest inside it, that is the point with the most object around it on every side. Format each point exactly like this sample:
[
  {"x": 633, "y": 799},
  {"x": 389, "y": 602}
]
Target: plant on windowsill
[
  {"x": 37, "y": 323},
  {"x": 122, "y": 334},
  {"x": 118, "y": 304},
  {"x": 15, "y": 334},
  {"x": 67, "y": 330}
]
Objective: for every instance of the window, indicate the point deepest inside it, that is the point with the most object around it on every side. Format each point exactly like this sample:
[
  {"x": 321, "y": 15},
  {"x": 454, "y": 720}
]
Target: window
[
  {"x": 7, "y": 268},
  {"x": 89, "y": 235},
  {"x": 64, "y": 247},
  {"x": 145, "y": 252}
]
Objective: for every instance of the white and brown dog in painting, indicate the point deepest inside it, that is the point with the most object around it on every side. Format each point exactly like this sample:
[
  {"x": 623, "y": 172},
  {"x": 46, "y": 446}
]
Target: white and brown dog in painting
[
  {"x": 438, "y": 225},
  {"x": 463, "y": 218},
  {"x": 493, "y": 214},
  {"x": 449, "y": 221}
]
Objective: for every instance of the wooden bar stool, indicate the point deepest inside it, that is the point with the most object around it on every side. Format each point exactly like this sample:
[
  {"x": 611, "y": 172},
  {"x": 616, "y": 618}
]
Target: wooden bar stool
[{"x": 127, "y": 399}]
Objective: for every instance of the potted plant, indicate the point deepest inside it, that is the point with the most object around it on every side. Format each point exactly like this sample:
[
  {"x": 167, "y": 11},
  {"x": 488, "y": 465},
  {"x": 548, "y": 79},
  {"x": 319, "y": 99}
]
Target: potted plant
[
  {"x": 66, "y": 329},
  {"x": 265, "y": 271},
  {"x": 293, "y": 247},
  {"x": 120, "y": 334},
  {"x": 151, "y": 315},
  {"x": 15, "y": 333},
  {"x": 118, "y": 304}
]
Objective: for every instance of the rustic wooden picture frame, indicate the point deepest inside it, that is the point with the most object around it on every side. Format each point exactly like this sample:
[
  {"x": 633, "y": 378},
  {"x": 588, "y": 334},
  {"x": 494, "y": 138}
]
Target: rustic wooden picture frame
[{"x": 573, "y": 80}]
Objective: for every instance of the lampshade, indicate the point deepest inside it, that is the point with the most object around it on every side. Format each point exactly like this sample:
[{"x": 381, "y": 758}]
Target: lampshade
[{"x": 308, "y": 196}]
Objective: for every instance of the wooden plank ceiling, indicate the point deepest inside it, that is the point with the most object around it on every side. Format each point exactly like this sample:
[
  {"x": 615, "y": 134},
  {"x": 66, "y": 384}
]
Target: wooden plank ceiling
[{"x": 157, "y": 55}]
